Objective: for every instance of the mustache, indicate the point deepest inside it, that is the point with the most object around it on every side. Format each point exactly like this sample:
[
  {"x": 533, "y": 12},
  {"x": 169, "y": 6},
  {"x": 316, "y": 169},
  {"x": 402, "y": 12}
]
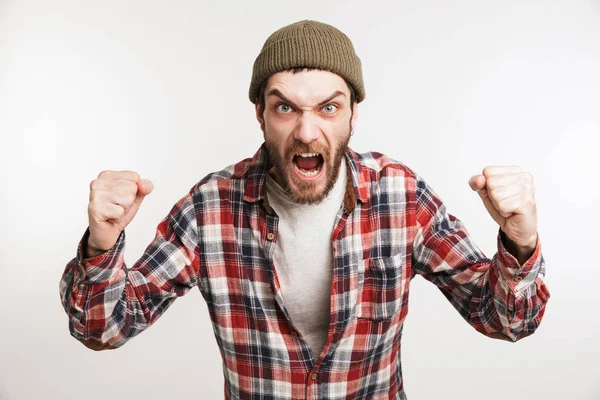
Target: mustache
[{"x": 300, "y": 147}]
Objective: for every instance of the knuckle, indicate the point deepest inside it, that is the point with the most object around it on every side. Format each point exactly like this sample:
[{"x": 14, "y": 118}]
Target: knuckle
[
  {"x": 94, "y": 194},
  {"x": 125, "y": 199},
  {"x": 93, "y": 206},
  {"x": 502, "y": 205},
  {"x": 132, "y": 187},
  {"x": 120, "y": 211},
  {"x": 104, "y": 174},
  {"x": 116, "y": 199},
  {"x": 528, "y": 188},
  {"x": 126, "y": 186},
  {"x": 130, "y": 175}
]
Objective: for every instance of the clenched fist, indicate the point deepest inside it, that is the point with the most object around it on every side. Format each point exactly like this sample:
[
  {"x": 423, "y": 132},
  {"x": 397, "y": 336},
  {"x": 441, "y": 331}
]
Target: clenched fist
[
  {"x": 115, "y": 197},
  {"x": 508, "y": 194}
]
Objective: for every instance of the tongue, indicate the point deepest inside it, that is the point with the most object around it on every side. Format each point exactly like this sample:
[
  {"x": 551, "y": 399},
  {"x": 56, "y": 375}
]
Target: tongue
[{"x": 308, "y": 163}]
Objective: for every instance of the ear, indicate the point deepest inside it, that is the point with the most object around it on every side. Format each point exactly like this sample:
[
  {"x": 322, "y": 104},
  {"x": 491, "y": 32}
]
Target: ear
[
  {"x": 354, "y": 115},
  {"x": 259, "y": 116}
]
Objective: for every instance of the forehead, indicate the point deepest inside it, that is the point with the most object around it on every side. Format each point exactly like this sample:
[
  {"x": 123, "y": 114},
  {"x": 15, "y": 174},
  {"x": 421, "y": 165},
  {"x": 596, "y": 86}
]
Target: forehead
[{"x": 307, "y": 87}]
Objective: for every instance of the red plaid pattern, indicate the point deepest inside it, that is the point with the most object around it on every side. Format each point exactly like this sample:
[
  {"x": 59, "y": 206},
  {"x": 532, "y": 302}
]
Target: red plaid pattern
[{"x": 221, "y": 236}]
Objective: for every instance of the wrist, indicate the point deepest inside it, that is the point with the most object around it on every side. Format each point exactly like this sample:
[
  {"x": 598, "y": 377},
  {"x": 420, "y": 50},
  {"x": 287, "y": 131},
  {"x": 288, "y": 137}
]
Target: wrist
[
  {"x": 522, "y": 252},
  {"x": 91, "y": 250},
  {"x": 530, "y": 245}
]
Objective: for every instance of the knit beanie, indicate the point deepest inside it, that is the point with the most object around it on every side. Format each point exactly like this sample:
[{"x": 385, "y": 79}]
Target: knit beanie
[{"x": 308, "y": 43}]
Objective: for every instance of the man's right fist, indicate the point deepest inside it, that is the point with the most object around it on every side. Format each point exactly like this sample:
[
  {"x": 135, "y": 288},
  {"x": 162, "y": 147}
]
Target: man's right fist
[{"x": 115, "y": 197}]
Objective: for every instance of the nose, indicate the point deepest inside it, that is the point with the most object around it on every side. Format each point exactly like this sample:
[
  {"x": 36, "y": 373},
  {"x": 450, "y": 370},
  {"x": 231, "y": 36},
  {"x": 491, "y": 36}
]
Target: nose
[{"x": 308, "y": 129}]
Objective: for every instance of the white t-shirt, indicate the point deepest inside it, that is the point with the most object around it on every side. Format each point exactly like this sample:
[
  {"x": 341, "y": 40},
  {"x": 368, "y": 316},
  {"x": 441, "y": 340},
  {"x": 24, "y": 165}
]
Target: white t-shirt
[{"x": 303, "y": 257}]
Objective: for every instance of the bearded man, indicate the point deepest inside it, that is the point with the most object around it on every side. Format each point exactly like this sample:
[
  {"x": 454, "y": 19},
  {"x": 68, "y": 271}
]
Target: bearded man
[{"x": 305, "y": 252}]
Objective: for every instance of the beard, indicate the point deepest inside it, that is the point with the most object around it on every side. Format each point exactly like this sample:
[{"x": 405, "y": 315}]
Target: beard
[{"x": 302, "y": 192}]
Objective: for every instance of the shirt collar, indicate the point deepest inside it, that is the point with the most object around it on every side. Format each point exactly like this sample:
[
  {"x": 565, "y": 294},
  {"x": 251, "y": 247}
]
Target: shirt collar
[{"x": 356, "y": 185}]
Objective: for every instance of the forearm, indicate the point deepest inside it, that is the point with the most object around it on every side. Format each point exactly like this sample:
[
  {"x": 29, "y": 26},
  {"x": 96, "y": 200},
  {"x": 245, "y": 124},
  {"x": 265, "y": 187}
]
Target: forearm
[
  {"x": 107, "y": 307},
  {"x": 517, "y": 278},
  {"x": 499, "y": 297},
  {"x": 84, "y": 285},
  {"x": 108, "y": 304},
  {"x": 502, "y": 297}
]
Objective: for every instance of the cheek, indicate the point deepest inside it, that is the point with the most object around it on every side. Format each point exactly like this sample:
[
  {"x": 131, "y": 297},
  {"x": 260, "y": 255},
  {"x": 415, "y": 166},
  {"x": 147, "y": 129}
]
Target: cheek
[
  {"x": 278, "y": 141},
  {"x": 278, "y": 138},
  {"x": 278, "y": 133},
  {"x": 337, "y": 133}
]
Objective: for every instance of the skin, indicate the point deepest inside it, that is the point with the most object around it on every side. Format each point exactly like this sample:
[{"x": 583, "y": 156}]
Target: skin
[
  {"x": 297, "y": 122},
  {"x": 507, "y": 193},
  {"x": 309, "y": 112},
  {"x": 303, "y": 115},
  {"x": 115, "y": 197}
]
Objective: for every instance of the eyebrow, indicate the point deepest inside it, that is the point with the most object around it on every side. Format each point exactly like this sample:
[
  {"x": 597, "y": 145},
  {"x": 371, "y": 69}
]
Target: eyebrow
[{"x": 276, "y": 92}]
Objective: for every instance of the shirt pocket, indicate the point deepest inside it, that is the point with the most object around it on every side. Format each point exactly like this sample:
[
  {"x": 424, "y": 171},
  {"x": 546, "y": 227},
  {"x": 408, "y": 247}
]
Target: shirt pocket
[{"x": 382, "y": 288}]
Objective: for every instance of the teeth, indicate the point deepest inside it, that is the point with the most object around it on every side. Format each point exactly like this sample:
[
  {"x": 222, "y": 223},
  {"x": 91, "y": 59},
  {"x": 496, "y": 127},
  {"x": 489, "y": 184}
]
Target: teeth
[
  {"x": 307, "y": 154},
  {"x": 306, "y": 173}
]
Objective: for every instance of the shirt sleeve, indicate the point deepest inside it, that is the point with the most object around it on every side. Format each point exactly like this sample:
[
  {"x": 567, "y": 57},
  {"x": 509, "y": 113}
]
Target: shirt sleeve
[
  {"x": 108, "y": 304},
  {"x": 498, "y": 297}
]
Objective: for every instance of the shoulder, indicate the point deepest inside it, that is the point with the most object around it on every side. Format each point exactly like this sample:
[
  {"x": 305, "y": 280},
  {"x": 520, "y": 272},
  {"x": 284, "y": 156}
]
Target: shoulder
[
  {"x": 384, "y": 167},
  {"x": 385, "y": 175},
  {"x": 228, "y": 178},
  {"x": 379, "y": 164}
]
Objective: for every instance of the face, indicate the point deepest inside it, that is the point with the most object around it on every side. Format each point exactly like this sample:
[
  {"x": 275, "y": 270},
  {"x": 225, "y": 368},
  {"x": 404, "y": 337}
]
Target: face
[{"x": 306, "y": 124}]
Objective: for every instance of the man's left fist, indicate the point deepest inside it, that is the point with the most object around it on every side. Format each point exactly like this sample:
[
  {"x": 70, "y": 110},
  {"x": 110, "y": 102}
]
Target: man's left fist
[{"x": 508, "y": 194}]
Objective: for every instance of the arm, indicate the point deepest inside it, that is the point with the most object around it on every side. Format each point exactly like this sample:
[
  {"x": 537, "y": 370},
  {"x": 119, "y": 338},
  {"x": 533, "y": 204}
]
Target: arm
[
  {"x": 500, "y": 297},
  {"x": 108, "y": 304}
]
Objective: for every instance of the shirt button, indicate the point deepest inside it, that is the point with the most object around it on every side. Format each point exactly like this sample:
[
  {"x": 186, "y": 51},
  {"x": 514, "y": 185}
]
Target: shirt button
[
  {"x": 314, "y": 377},
  {"x": 518, "y": 279},
  {"x": 270, "y": 236}
]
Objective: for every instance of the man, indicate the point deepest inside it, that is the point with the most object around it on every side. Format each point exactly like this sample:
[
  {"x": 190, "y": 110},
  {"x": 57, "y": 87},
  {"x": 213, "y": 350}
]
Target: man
[{"x": 305, "y": 252}]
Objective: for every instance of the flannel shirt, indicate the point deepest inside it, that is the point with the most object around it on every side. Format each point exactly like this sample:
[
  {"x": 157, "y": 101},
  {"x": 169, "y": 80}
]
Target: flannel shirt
[{"x": 221, "y": 236}]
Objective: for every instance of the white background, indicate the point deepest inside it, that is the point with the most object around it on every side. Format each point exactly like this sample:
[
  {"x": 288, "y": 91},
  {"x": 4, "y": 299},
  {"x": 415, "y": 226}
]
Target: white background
[{"x": 161, "y": 88}]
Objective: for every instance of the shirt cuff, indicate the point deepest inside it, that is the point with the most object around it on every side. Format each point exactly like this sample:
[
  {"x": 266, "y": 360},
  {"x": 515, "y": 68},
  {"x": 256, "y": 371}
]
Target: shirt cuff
[
  {"x": 515, "y": 275},
  {"x": 99, "y": 268}
]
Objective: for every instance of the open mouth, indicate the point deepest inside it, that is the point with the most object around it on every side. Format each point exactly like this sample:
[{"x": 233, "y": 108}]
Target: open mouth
[{"x": 308, "y": 165}]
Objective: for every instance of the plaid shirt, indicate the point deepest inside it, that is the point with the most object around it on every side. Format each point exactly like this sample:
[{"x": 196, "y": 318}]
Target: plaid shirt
[{"x": 221, "y": 237}]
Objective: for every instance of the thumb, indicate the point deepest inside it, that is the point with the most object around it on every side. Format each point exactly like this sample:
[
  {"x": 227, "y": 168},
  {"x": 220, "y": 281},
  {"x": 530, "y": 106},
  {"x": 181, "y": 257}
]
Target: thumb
[
  {"x": 477, "y": 182},
  {"x": 145, "y": 187}
]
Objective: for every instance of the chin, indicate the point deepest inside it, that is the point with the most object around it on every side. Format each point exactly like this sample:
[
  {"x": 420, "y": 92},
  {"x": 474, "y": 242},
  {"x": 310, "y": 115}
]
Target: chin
[{"x": 302, "y": 192}]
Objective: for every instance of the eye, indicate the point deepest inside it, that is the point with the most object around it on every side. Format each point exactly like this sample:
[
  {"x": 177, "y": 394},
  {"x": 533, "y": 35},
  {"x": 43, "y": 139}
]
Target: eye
[
  {"x": 330, "y": 108},
  {"x": 284, "y": 108}
]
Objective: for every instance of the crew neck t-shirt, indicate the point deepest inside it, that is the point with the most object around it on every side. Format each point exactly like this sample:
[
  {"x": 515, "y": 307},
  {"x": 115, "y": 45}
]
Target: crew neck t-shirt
[{"x": 303, "y": 257}]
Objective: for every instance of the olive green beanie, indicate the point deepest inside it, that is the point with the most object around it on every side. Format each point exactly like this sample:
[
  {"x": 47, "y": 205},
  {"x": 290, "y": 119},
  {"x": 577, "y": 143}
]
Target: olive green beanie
[{"x": 308, "y": 43}]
